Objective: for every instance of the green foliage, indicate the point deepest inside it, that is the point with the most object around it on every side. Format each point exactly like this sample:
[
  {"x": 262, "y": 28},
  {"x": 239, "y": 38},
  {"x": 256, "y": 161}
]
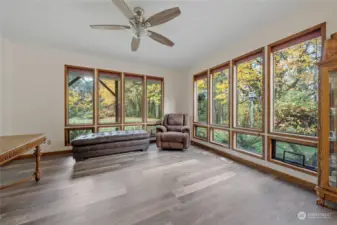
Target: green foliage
[
  {"x": 133, "y": 99},
  {"x": 309, "y": 153},
  {"x": 250, "y": 143},
  {"x": 221, "y": 136},
  {"x": 296, "y": 88},
  {"x": 201, "y": 132},
  {"x": 109, "y": 97},
  {"x": 220, "y": 95},
  {"x": 249, "y": 81},
  {"x": 154, "y": 100},
  {"x": 108, "y": 129},
  {"x": 80, "y": 100},
  {"x": 133, "y": 128},
  {"x": 202, "y": 100},
  {"x": 75, "y": 133}
]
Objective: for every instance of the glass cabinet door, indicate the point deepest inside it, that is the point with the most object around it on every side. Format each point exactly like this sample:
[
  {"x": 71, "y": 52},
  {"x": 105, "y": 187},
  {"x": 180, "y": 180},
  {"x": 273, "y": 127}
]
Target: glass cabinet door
[{"x": 333, "y": 129}]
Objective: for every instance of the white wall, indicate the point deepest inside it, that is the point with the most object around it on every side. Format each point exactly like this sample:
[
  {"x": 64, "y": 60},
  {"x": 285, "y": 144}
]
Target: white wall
[
  {"x": 306, "y": 17},
  {"x": 1, "y": 85},
  {"x": 34, "y": 90}
]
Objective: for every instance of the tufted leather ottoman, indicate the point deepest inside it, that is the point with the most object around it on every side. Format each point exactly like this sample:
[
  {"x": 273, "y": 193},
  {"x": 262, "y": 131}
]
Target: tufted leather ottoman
[{"x": 107, "y": 143}]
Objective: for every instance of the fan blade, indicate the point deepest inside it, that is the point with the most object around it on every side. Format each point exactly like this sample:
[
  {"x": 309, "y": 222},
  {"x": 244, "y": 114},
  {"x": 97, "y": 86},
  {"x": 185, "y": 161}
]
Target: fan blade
[
  {"x": 160, "y": 38},
  {"x": 135, "y": 44},
  {"x": 124, "y": 8},
  {"x": 164, "y": 16},
  {"x": 110, "y": 27}
]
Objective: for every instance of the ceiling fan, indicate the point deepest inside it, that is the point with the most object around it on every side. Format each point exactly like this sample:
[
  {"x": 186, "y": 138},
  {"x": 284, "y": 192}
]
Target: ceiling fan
[{"x": 139, "y": 25}]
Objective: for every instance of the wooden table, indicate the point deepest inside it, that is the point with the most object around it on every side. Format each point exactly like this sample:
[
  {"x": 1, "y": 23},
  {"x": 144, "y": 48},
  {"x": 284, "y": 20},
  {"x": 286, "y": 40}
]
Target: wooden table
[{"x": 13, "y": 146}]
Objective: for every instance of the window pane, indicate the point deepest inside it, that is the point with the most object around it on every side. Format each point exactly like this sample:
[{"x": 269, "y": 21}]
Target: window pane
[
  {"x": 201, "y": 132},
  {"x": 133, "y": 99},
  {"x": 108, "y": 129},
  {"x": 201, "y": 101},
  {"x": 75, "y": 133},
  {"x": 249, "y": 143},
  {"x": 295, "y": 85},
  {"x": 140, "y": 127},
  {"x": 295, "y": 154},
  {"x": 220, "y": 97},
  {"x": 220, "y": 136},
  {"x": 151, "y": 130},
  {"x": 109, "y": 98},
  {"x": 80, "y": 97},
  {"x": 249, "y": 93},
  {"x": 154, "y": 100}
]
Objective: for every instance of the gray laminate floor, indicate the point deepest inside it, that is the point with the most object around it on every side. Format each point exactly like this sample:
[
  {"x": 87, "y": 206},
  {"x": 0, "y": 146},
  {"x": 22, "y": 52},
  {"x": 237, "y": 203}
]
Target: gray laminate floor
[{"x": 154, "y": 188}]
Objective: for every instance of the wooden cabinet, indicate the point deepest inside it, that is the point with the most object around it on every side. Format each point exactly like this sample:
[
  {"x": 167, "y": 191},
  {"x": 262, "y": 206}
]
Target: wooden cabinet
[{"x": 327, "y": 172}]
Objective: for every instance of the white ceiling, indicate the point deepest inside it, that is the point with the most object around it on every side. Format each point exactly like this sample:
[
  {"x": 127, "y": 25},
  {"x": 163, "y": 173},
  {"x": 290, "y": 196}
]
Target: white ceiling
[{"x": 203, "y": 27}]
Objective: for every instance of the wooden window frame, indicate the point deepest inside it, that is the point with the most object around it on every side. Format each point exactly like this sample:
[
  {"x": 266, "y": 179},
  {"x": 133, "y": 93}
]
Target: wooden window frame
[
  {"x": 67, "y": 130},
  {"x": 287, "y": 42},
  {"x": 203, "y": 126},
  {"x": 66, "y": 92},
  {"x": 107, "y": 72},
  {"x": 235, "y": 148},
  {"x": 143, "y": 98},
  {"x": 199, "y": 76},
  {"x": 115, "y": 125},
  {"x": 211, "y": 132},
  {"x": 289, "y": 140},
  {"x": 260, "y": 52},
  {"x": 121, "y": 124},
  {"x": 221, "y": 67},
  {"x": 154, "y": 78}
]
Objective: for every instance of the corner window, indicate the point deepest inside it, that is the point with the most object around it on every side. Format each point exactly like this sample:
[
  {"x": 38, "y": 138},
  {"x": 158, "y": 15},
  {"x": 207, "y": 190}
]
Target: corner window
[{"x": 201, "y": 98}]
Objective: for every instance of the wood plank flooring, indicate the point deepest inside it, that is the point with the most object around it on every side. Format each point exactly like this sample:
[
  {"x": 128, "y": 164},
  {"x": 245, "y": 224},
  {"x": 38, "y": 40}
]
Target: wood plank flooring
[{"x": 153, "y": 188}]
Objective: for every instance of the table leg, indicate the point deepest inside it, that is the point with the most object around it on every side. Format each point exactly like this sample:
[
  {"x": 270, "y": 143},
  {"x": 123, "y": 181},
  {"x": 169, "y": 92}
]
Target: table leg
[{"x": 37, "y": 162}]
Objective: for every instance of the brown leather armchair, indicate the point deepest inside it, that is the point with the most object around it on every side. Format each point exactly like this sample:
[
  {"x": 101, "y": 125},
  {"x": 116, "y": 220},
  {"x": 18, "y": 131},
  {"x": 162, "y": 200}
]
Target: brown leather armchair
[{"x": 174, "y": 132}]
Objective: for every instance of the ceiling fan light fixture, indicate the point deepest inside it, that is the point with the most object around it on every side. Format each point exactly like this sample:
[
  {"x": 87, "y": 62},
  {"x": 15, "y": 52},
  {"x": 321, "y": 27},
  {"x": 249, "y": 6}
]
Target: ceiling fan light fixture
[{"x": 139, "y": 24}]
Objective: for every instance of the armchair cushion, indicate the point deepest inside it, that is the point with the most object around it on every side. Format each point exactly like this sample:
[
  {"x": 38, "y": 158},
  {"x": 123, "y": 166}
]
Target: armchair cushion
[
  {"x": 185, "y": 129},
  {"x": 161, "y": 129}
]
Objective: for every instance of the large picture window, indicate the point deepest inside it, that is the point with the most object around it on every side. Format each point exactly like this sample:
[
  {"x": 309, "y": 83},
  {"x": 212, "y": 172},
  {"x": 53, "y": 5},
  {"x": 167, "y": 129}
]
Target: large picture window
[
  {"x": 220, "y": 95},
  {"x": 154, "y": 95},
  {"x": 97, "y": 101},
  {"x": 133, "y": 98},
  {"x": 249, "y": 90},
  {"x": 109, "y": 91},
  {"x": 294, "y": 85},
  {"x": 201, "y": 98},
  {"x": 80, "y": 96},
  {"x": 277, "y": 122}
]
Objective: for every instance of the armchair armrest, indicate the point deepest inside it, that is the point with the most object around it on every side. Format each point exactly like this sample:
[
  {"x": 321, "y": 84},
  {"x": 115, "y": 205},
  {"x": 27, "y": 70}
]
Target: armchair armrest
[
  {"x": 185, "y": 129},
  {"x": 161, "y": 129}
]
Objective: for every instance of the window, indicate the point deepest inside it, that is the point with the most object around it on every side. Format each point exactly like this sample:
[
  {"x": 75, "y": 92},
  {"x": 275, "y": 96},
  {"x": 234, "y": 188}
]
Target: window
[
  {"x": 294, "y": 83},
  {"x": 109, "y": 91},
  {"x": 80, "y": 96},
  {"x": 249, "y": 143},
  {"x": 152, "y": 130},
  {"x": 248, "y": 97},
  {"x": 220, "y": 95},
  {"x": 71, "y": 134},
  {"x": 133, "y": 98},
  {"x": 201, "y": 98},
  {"x": 299, "y": 155},
  {"x": 200, "y": 132},
  {"x": 108, "y": 129},
  {"x": 98, "y": 100},
  {"x": 154, "y": 94},
  {"x": 220, "y": 137},
  {"x": 138, "y": 127}
]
